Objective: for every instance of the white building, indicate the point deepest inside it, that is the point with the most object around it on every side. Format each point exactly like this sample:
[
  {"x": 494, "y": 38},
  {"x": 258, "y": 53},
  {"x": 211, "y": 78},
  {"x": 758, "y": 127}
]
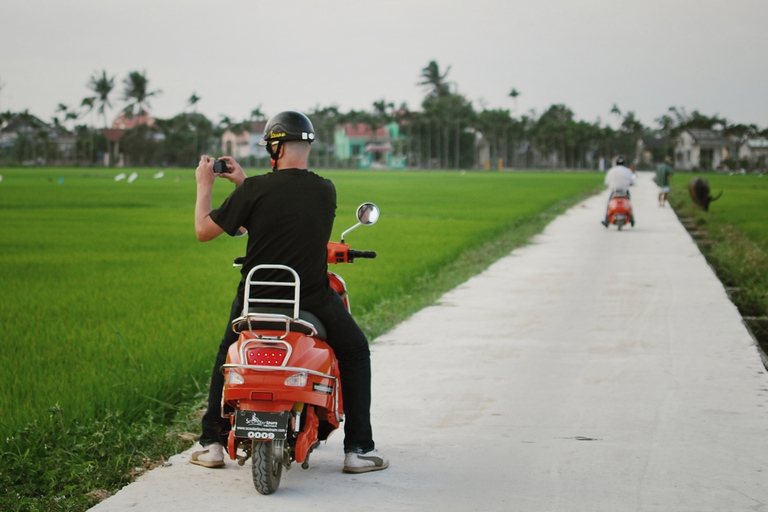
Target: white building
[{"x": 700, "y": 149}]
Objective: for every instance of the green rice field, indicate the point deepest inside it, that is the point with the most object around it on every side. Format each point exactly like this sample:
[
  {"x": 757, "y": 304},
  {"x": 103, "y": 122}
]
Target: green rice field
[
  {"x": 109, "y": 303},
  {"x": 743, "y": 205}
]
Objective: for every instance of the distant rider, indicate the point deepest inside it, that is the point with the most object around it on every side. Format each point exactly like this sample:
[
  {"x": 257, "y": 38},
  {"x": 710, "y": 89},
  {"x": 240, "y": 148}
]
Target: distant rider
[{"x": 619, "y": 178}]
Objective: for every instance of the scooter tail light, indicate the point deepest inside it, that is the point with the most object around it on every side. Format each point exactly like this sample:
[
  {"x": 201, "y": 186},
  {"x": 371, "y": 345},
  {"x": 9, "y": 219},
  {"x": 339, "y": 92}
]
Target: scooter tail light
[
  {"x": 266, "y": 356},
  {"x": 298, "y": 380},
  {"x": 234, "y": 378}
]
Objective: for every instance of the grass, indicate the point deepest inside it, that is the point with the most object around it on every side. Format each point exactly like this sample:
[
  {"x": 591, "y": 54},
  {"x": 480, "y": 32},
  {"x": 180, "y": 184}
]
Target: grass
[
  {"x": 111, "y": 310},
  {"x": 736, "y": 242}
]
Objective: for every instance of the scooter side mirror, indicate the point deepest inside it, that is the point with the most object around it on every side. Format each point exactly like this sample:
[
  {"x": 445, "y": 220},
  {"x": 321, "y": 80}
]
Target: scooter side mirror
[{"x": 367, "y": 214}]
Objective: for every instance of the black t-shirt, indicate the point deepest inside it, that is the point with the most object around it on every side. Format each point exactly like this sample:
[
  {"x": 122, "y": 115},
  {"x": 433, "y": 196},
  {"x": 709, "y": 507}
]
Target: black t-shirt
[{"x": 289, "y": 217}]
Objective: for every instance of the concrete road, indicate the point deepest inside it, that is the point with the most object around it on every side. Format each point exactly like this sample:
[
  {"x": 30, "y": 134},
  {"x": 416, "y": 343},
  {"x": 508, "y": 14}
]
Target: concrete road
[{"x": 593, "y": 370}]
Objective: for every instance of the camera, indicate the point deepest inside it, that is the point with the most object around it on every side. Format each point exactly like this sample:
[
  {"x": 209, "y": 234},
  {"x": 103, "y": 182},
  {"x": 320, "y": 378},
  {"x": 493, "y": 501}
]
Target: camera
[{"x": 220, "y": 166}]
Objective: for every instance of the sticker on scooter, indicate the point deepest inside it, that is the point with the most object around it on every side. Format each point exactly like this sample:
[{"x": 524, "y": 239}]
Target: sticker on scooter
[{"x": 266, "y": 426}]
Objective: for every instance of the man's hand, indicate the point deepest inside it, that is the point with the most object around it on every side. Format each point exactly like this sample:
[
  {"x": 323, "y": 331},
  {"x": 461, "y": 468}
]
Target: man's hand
[
  {"x": 204, "y": 172},
  {"x": 236, "y": 174}
]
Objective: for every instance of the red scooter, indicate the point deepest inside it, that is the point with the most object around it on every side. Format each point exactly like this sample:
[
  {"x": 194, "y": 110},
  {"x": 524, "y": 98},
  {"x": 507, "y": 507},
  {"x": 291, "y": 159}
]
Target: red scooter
[
  {"x": 620, "y": 210},
  {"x": 282, "y": 390}
]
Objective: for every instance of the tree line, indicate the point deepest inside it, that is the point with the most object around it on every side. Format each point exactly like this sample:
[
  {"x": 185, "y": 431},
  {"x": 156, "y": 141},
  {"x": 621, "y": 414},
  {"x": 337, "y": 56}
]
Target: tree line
[{"x": 448, "y": 132}]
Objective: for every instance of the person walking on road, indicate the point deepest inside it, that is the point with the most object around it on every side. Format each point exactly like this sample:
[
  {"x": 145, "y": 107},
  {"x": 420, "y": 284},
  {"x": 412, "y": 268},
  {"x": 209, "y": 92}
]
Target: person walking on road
[
  {"x": 288, "y": 214},
  {"x": 663, "y": 175},
  {"x": 619, "y": 178}
]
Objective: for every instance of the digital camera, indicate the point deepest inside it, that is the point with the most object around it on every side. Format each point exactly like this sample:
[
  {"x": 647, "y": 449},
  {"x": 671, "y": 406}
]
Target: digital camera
[{"x": 220, "y": 166}]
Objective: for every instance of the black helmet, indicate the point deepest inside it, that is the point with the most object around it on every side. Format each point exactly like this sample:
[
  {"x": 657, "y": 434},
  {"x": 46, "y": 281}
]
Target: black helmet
[
  {"x": 620, "y": 160},
  {"x": 288, "y": 126}
]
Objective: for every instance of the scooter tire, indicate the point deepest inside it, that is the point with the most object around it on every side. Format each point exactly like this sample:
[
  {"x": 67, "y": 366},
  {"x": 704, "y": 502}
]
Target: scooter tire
[{"x": 267, "y": 465}]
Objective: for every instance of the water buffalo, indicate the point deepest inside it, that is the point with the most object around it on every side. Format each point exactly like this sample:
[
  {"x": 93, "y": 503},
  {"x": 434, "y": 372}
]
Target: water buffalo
[{"x": 699, "y": 190}]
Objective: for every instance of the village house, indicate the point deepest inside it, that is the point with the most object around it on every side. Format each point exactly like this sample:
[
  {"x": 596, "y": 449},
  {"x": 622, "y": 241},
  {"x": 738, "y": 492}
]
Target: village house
[
  {"x": 701, "y": 149},
  {"x": 120, "y": 125},
  {"x": 244, "y": 144},
  {"x": 650, "y": 151},
  {"x": 754, "y": 152},
  {"x": 358, "y": 141},
  {"x": 42, "y": 140}
]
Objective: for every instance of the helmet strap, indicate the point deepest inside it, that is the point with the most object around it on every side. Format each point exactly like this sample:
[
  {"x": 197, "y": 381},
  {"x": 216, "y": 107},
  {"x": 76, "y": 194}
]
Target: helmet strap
[{"x": 274, "y": 153}]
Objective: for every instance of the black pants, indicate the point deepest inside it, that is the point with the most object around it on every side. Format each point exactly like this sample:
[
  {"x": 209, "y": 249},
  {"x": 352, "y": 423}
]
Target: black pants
[{"x": 351, "y": 348}]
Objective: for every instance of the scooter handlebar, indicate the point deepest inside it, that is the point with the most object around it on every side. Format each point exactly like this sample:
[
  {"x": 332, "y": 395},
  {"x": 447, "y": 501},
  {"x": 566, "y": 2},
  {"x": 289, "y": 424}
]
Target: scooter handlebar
[
  {"x": 353, "y": 253},
  {"x": 343, "y": 255}
]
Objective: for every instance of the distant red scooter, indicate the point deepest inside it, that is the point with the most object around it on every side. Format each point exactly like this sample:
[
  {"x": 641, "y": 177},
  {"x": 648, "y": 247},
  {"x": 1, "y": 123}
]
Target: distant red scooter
[
  {"x": 620, "y": 210},
  {"x": 282, "y": 388}
]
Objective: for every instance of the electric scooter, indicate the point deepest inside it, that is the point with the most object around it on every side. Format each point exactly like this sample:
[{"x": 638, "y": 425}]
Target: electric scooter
[{"x": 282, "y": 388}]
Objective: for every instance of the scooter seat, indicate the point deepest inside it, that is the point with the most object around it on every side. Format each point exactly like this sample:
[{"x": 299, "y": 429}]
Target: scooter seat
[
  {"x": 241, "y": 324},
  {"x": 620, "y": 192}
]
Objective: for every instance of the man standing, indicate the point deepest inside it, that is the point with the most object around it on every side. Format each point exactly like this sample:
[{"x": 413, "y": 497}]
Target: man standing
[
  {"x": 663, "y": 174},
  {"x": 288, "y": 214}
]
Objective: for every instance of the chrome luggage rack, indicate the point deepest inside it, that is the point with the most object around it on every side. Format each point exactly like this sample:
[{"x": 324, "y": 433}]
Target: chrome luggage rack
[{"x": 251, "y": 313}]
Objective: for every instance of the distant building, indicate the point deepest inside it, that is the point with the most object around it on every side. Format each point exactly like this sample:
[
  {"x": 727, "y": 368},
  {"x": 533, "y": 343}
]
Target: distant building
[
  {"x": 120, "y": 125},
  {"x": 358, "y": 141},
  {"x": 244, "y": 144},
  {"x": 754, "y": 152},
  {"x": 40, "y": 140},
  {"x": 701, "y": 149},
  {"x": 650, "y": 151}
]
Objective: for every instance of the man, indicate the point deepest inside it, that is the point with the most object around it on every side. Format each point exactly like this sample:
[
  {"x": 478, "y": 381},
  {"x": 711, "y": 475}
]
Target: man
[
  {"x": 619, "y": 178},
  {"x": 663, "y": 174},
  {"x": 288, "y": 214}
]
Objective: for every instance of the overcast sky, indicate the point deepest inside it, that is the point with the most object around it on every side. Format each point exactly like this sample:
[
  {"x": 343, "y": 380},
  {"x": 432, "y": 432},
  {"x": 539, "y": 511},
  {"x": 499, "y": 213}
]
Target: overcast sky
[{"x": 237, "y": 55}]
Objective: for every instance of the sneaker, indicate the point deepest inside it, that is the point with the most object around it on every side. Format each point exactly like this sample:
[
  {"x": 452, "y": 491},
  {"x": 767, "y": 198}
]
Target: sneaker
[
  {"x": 363, "y": 462},
  {"x": 211, "y": 457},
  {"x": 604, "y": 223}
]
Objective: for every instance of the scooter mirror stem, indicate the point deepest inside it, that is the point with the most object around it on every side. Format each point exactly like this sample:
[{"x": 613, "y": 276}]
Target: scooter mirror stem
[
  {"x": 367, "y": 214},
  {"x": 344, "y": 234}
]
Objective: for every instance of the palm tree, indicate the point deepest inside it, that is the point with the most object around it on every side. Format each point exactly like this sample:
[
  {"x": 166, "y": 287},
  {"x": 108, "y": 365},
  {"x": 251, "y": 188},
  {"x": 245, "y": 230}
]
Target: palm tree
[
  {"x": 88, "y": 102},
  {"x": 432, "y": 78},
  {"x": 514, "y": 93},
  {"x": 257, "y": 115},
  {"x": 102, "y": 86},
  {"x": 137, "y": 94},
  {"x": 192, "y": 101},
  {"x": 66, "y": 113}
]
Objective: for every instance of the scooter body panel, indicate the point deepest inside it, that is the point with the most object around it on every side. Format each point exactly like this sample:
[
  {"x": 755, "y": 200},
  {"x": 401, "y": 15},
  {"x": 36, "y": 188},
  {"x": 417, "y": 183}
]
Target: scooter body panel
[
  {"x": 619, "y": 211},
  {"x": 304, "y": 385},
  {"x": 265, "y": 387}
]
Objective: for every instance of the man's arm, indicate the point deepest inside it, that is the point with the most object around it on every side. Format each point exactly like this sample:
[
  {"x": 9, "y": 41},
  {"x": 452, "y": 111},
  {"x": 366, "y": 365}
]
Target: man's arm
[{"x": 205, "y": 228}]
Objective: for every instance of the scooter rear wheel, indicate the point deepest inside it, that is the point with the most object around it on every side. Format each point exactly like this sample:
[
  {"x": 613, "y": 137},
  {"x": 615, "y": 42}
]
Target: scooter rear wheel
[{"x": 267, "y": 465}]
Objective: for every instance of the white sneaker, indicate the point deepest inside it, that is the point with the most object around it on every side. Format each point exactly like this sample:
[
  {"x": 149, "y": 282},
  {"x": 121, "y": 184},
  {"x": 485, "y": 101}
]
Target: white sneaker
[
  {"x": 363, "y": 462},
  {"x": 211, "y": 457}
]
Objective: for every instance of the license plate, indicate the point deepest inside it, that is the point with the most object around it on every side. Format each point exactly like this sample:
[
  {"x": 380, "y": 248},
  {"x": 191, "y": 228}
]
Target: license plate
[{"x": 268, "y": 426}]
